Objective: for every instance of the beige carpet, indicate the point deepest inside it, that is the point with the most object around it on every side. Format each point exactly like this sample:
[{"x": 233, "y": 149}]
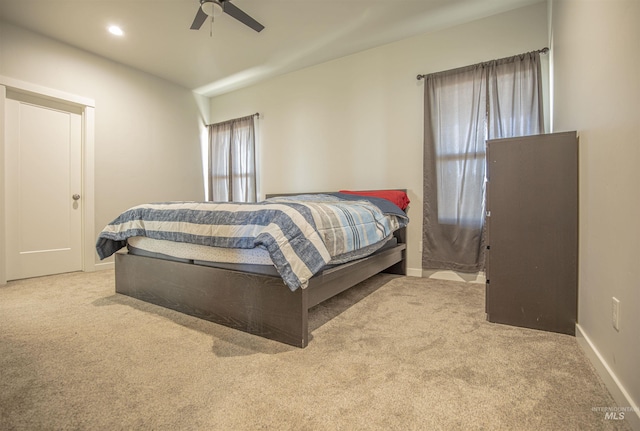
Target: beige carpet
[{"x": 394, "y": 353}]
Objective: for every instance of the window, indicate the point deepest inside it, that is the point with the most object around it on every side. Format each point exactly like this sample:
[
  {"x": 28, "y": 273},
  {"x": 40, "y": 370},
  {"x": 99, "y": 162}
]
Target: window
[
  {"x": 232, "y": 165},
  {"x": 460, "y": 153}
]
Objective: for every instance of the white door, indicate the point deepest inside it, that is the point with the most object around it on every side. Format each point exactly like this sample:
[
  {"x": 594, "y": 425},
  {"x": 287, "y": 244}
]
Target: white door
[{"x": 43, "y": 141}]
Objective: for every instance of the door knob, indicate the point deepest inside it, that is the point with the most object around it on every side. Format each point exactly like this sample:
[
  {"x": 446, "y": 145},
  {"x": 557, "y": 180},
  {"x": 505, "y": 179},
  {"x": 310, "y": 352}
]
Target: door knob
[{"x": 76, "y": 197}]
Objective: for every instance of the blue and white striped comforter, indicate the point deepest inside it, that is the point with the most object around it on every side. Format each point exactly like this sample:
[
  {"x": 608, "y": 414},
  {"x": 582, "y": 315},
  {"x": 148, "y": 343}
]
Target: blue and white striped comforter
[{"x": 302, "y": 234}]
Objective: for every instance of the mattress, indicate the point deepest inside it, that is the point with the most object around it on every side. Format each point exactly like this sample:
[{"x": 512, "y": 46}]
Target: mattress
[
  {"x": 253, "y": 260},
  {"x": 188, "y": 251}
]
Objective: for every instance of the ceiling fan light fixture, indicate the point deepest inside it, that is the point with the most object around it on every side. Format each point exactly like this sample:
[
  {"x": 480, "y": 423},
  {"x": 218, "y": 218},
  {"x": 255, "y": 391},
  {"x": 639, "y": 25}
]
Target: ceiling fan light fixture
[{"x": 211, "y": 8}]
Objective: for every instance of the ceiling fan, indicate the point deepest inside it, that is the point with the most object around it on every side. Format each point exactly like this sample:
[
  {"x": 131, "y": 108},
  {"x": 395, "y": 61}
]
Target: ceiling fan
[{"x": 210, "y": 7}]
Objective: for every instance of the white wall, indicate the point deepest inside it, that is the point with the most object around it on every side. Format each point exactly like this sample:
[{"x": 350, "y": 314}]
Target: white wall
[
  {"x": 356, "y": 122},
  {"x": 596, "y": 76},
  {"x": 147, "y": 130}
]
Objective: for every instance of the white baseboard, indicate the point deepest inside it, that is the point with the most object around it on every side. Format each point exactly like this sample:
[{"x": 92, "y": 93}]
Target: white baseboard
[
  {"x": 414, "y": 272},
  {"x": 104, "y": 265},
  {"x": 615, "y": 387}
]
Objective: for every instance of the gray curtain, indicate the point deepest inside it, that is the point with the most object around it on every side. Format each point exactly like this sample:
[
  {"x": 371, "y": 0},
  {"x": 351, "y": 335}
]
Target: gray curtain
[
  {"x": 462, "y": 109},
  {"x": 232, "y": 165}
]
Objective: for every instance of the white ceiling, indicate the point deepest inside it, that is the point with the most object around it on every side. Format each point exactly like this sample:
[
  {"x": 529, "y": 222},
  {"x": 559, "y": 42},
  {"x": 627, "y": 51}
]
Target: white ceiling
[{"x": 297, "y": 34}]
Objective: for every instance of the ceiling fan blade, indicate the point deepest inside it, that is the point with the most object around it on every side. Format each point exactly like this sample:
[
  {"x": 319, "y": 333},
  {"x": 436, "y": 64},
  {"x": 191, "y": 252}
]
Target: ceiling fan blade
[
  {"x": 238, "y": 14},
  {"x": 200, "y": 18}
]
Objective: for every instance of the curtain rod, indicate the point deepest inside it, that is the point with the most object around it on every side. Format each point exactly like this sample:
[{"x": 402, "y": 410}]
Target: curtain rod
[
  {"x": 540, "y": 51},
  {"x": 257, "y": 114}
]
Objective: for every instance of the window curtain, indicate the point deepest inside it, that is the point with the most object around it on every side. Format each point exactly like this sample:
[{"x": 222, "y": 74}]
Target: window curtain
[
  {"x": 462, "y": 109},
  {"x": 232, "y": 165}
]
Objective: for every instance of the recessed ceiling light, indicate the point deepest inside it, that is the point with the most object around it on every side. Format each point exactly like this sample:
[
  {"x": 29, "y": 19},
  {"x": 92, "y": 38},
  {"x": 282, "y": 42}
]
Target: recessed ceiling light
[{"x": 114, "y": 29}]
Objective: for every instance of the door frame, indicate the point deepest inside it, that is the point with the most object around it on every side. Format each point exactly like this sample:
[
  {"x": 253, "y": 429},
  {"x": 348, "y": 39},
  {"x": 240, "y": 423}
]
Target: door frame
[{"x": 87, "y": 165}]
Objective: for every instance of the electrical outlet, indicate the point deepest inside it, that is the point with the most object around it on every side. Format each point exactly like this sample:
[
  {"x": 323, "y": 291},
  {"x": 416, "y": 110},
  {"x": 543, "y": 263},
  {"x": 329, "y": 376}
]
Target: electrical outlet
[{"x": 615, "y": 313}]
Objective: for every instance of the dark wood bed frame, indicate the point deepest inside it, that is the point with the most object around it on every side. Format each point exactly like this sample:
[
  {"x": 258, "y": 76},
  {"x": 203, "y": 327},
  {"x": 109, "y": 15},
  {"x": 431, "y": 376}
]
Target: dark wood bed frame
[{"x": 258, "y": 304}]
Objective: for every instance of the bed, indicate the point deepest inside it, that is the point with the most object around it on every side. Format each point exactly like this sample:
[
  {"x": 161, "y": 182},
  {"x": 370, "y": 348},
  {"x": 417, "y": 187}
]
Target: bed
[{"x": 269, "y": 300}]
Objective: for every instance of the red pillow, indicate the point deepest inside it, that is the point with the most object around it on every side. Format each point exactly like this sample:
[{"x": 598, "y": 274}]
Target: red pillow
[{"x": 398, "y": 197}]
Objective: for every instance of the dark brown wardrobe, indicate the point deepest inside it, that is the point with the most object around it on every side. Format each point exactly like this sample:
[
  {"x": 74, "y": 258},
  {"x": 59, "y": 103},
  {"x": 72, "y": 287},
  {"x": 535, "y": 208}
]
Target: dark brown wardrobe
[{"x": 532, "y": 231}]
